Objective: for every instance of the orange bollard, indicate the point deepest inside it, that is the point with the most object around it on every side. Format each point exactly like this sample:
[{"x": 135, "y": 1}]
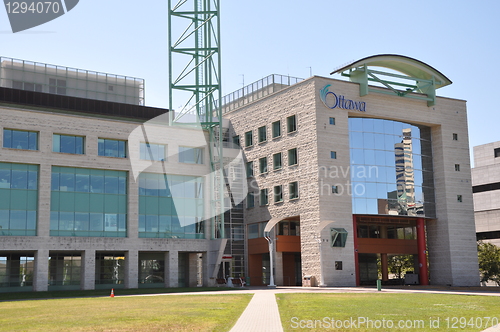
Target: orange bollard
[{"x": 112, "y": 293}]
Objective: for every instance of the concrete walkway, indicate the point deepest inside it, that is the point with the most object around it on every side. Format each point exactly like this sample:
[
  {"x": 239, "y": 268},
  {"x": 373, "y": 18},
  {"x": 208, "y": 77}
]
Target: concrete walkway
[{"x": 261, "y": 314}]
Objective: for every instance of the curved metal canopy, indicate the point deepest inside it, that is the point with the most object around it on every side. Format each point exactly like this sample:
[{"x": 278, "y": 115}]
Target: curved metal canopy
[{"x": 403, "y": 64}]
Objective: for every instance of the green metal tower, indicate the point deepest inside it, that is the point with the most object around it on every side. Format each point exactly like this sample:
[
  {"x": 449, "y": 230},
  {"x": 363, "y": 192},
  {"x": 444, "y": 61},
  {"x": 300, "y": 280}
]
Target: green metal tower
[{"x": 198, "y": 85}]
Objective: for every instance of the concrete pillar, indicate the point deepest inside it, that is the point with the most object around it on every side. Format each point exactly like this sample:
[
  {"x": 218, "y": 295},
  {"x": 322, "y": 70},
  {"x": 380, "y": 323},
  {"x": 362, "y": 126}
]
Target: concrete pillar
[
  {"x": 88, "y": 270},
  {"x": 41, "y": 271},
  {"x": 204, "y": 270},
  {"x": 44, "y": 192},
  {"x": 385, "y": 267},
  {"x": 193, "y": 269},
  {"x": 132, "y": 269},
  {"x": 356, "y": 255},
  {"x": 173, "y": 269},
  {"x": 13, "y": 269},
  {"x": 278, "y": 268}
]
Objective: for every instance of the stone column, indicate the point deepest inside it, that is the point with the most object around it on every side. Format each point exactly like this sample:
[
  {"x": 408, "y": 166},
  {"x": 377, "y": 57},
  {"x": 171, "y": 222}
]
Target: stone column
[
  {"x": 173, "y": 269},
  {"x": 132, "y": 269},
  {"x": 41, "y": 271},
  {"x": 88, "y": 270}
]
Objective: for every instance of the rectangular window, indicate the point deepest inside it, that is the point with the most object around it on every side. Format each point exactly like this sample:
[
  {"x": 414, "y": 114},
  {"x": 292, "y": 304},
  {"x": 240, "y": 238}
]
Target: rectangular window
[
  {"x": 27, "y": 86},
  {"x": 292, "y": 157},
  {"x": 190, "y": 155},
  {"x": 455, "y": 136},
  {"x": 150, "y": 151},
  {"x": 277, "y": 161},
  {"x": 20, "y": 139},
  {"x": 457, "y": 167},
  {"x": 278, "y": 194},
  {"x": 248, "y": 139},
  {"x": 249, "y": 166},
  {"x": 262, "y": 134},
  {"x": 338, "y": 237},
  {"x": 333, "y": 154},
  {"x": 250, "y": 200},
  {"x": 263, "y": 197},
  {"x": 112, "y": 148},
  {"x": 253, "y": 231},
  {"x": 335, "y": 189},
  {"x": 236, "y": 140},
  {"x": 291, "y": 124},
  {"x": 459, "y": 198},
  {"x": 293, "y": 190},
  {"x": 263, "y": 165},
  {"x": 332, "y": 121},
  {"x": 57, "y": 86},
  {"x": 68, "y": 144},
  {"x": 276, "y": 128},
  {"x": 497, "y": 152}
]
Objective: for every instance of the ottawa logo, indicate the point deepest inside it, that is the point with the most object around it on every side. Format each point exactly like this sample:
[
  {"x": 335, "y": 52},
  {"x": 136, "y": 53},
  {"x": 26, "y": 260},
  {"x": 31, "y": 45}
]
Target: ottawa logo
[
  {"x": 25, "y": 15},
  {"x": 331, "y": 100}
]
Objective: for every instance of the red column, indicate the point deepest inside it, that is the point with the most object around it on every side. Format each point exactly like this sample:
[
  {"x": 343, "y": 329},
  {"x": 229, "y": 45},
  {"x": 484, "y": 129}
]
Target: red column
[
  {"x": 385, "y": 269},
  {"x": 355, "y": 235},
  {"x": 422, "y": 258}
]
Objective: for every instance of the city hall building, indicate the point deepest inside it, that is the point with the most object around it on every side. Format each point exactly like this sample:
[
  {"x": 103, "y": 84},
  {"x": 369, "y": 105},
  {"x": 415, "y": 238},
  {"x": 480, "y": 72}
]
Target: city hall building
[
  {"x": 96, "y": 189},
  {"x": 343, "y": 175}
]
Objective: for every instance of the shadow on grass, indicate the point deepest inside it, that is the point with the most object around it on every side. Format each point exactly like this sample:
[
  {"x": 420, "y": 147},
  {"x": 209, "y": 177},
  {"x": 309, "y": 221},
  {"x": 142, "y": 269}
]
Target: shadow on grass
[{"x": 16, "y": 296}]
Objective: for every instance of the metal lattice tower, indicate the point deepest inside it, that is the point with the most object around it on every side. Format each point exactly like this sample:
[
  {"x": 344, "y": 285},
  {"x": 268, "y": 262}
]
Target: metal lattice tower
[{"x": 198, "y": 84}]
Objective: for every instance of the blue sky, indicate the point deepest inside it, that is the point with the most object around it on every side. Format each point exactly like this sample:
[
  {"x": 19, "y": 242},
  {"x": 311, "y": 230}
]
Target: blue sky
[{"x": 459, "y": 38}]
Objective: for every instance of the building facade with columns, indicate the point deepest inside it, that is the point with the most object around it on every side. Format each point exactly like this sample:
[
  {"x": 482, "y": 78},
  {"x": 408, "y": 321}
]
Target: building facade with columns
[
  {"x": 345, "y": 175},
  {"x": 485, "y": 186},
  {"x": 97, "y": 190}
]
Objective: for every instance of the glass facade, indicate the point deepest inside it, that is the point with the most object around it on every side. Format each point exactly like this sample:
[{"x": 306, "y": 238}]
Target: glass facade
[
  {"x": 190, "y": 155},
  {"x": 18, "y": 199},
  {"x": 16, "y": 270},
  {"x": 88, "y": 202},
  {"x": 110, "y": 269},
  {"x": 170, "y": 206},
  {"x": 391, "y": 168}
]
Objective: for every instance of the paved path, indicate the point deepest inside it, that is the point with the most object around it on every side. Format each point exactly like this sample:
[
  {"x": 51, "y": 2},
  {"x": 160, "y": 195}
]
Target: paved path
[{"x": 260, "y": 315}]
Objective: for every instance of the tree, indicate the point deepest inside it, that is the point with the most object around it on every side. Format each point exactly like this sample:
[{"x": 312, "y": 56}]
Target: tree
[
  {"x": 489, "y": 262},
  {"x": 399, "y": 264}
]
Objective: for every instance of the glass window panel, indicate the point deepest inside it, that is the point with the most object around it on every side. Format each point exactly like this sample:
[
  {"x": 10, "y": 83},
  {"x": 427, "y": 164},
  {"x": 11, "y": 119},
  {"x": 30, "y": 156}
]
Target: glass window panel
[
  {"x": 19, "y": 179},
  {"x": 368, "y": 141},
  {"x": 32, "y": 180},
  {"x": 33, "y": 141},
  {"x": 378, "y": 126},
  {"x": 17, "y": 219},
  {"x": 110, "y": 222},
  {"x": 31, "y": 220},
  {"x": 379, "y": 141},
  {"x": 122, "y": 223},
  {"x": 368, "y": 125},
  {"x": 68, "y": 144},
  {"x": 355, "y": 124},
  {"x": 359, "y": 205},
  {"x": 122, "y": 185},
  {"x": 100, "y": 146},
  {"x": 7, "y": 138},
  {"x": 54, "y": 181},
  {"x": 5, "y": 178},
  {"x": 372, "y": 206},
  {"x": 358, "y": 156},
  {"x": 122, "y": 149},
  {"x": 359, "y": 189},
  {"x": 82, "y": 183},
  {"x": 67, "y": 182},
  {"x": 390, "y": 141},
  {"x": 96, "y": 222},
  {"x": 56, "y": 143},
  {"x": 82, "y": 221},
  {"x": 356, "y": 140},
  {"x": 164, "y": 224},
  {"x": 4, "y": 219},
  {"x": 142, "y": 223},
  {"x": 66, "y": 221},
  {"x": 20, "y": 139},
  {"x": 111, "y": 185},
  {"x": 152, "y": 187},
  {"x": 97, "y": 184},
  {"x": 151, "y": 223},
  {"x": 369, "y": 157},
  {"x": 371, "y": 190},
  {"x": 382, "y": 190},
  {"x": 54, "y": 220},
  {"x": 79, "y": 145},
  {"x": 111, "y": 148}
]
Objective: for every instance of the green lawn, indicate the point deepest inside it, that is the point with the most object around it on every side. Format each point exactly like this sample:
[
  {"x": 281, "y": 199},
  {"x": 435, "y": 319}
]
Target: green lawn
[
  {"x": 136, "y": 313},
  {"x": 366, "y": 312}
]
